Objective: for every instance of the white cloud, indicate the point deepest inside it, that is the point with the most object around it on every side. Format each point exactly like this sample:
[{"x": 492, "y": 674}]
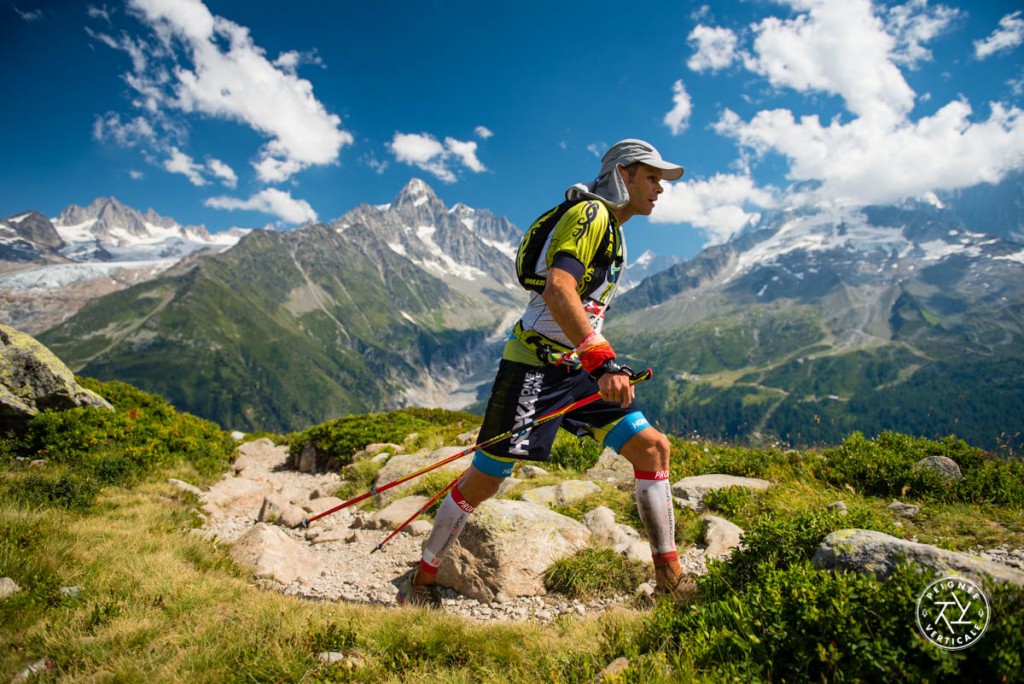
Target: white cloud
[
  {"x": 136, "y": 175},
  {"x": 715, "y": 48},
  {"x": 269, "y": 201},
  {"x": 834, "y": 47},
  {"x": 679, "y": 118},
  {"x": 914, "y": 24},
  {"x": 1008, "y": 36},
  {"x": 424, "y": 151},
  {"x": 28, "y": 15},
  {"x": 201, "y": 63},
  {"x": 110, "y": 127},
  {"x": 719, "y": 206},
  {"x": 466, "y": 152},
  {"x": 483, "y": 132},
  {"x": 221, "y": 170},
  {"x": 880, "y": 153},
  {"x": 98, "y": 12},
  {"x": 180, "y": 162}
]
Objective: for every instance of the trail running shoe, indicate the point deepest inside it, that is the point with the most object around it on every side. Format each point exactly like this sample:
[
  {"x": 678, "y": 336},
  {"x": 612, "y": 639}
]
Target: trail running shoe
[
  {"x": 419, "y": 595},
  {"x": 682, "y": 589}
]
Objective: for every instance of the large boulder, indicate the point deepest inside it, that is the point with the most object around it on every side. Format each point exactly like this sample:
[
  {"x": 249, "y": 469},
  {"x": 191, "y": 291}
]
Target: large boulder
[
  {"x": 33, "y": 379},
  {"x": 689, "y": 492},
  {"x": 561, "y": 493},
  {"x": 867, "y": 551},
  {"x": 505, "y": 548},
  {"x": 611, "y": 467},
  {"x": 273, "y": 555}
]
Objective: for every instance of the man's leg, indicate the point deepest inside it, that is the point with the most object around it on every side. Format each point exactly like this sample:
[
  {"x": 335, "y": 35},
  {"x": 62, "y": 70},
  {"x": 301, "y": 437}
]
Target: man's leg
[
  {"x": 473, "y": 489},
  {"x": 648, "y": 451}
]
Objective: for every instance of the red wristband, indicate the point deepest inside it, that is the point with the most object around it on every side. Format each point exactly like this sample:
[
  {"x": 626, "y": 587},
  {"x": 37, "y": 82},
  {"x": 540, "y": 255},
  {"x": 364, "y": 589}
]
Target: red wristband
[{"x": 592, "y": 358}]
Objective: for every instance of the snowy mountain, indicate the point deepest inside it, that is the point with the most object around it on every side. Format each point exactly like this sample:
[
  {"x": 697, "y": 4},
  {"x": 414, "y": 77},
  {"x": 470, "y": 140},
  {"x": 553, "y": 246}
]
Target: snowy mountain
[
  {"x": 50, "y": 268},
  {"x": 821, "y": 322},
  {"x": 396, "y": 305}
]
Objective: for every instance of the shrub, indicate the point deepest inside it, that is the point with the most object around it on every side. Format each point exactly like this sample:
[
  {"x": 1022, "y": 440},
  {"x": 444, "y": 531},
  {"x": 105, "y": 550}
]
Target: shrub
[
  {"x": 88, "y": 448},
  {"x": 575, "y": 453},
  {"x": 885, "y": 467},
  {"x": 595, "y": 572},
  {"x": 341, "y": 438}
]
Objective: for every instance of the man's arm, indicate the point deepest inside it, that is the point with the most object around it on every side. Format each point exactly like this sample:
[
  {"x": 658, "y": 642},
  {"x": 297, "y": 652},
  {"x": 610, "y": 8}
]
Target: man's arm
[{"x": 567, "y": 309}]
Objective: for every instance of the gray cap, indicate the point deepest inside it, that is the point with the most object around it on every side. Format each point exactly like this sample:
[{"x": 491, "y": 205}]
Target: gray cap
[
  {"x": 608, "y": 186},
  {"x": 630, "y": 151}
]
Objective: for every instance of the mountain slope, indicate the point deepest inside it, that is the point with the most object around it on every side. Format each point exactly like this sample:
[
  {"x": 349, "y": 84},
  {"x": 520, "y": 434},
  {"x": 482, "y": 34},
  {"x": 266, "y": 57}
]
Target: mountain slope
[
  {"x": 819, "y": 324},
  {"x": 286, "y": 330}
]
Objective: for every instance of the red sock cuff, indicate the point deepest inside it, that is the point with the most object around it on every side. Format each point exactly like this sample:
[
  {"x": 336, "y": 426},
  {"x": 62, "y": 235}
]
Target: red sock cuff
[
  {"x": 666, "y": 558},
  {"x": 650, "y": 474},
  {"x": 461, "y": 502},
  {"x": 427, "y": 568}
]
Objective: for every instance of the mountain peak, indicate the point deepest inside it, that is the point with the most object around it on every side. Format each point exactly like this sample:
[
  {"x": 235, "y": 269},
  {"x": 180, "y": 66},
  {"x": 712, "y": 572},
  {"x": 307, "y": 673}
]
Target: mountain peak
[{"x": 415, "y": 192}]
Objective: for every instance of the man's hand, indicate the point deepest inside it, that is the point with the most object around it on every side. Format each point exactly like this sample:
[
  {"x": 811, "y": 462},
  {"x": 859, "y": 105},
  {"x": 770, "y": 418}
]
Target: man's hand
[{"x": 615, "y": 387}]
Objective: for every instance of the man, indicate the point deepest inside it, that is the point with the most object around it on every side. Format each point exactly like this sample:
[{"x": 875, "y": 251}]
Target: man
[{"x": 570, "y": 259}]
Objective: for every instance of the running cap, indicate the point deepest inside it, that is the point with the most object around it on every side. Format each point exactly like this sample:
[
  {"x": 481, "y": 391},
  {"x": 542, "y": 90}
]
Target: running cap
[
  {"x": 630, "y": 151},
  {"x": 608, "y": 186}
]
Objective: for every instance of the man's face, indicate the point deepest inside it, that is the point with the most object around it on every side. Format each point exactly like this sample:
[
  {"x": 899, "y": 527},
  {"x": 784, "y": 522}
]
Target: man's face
[{"x": 644, "y": 186}]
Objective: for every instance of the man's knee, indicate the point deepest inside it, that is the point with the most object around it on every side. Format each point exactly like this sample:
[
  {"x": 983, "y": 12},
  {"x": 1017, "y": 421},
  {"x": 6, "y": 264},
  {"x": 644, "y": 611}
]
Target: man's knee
[
  {"x": 476, "y": 487},
  {"x": 649, "y": 448}
]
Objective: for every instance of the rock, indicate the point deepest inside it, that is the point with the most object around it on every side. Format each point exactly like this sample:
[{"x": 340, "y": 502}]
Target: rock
[
  {"x": 8, "y": 587},
  {"x": 562, "y": 493},
  {"x": 257, "y": 458},
  {"x": 613, "y": 468},
  {"x": 904, "y": 509},
  {"x": 371, "y": 450},
  {"x": 278, "y": 510},
  {"x": 272, "y": 554},
  {"x": 602, "y": 525},
  {"x": 720, "y": 536},
  {"x": 399, "y": 466},
  {"x": 33, "y": 379},
  {"x": 396, "y": 513},
  {"x": 867, "y": 551},
  {"x": 838, "y": 507},
  {"x": 531, "y": 472},
  {"x": 689, "y": 492},
  {"x": 419, "y": 528},
  {"x": 307, "y": 458},
  {"x": 185, "y": 486},
  {"x": 237, "y": 436},
  {"x": 505, "y": 548},
  {"x": 613, "y": 669},
  {"x": 71, "y": 592},
  {"x": 30, "y": 671},
  {"x": 943, "y": 465},
  {"x": 232, "y": 493},
  {"x": 326, "y": 503}
]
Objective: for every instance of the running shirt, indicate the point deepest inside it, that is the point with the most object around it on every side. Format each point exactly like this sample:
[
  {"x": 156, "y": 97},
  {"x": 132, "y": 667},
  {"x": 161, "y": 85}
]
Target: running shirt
[{"x": 587, "y": 242}]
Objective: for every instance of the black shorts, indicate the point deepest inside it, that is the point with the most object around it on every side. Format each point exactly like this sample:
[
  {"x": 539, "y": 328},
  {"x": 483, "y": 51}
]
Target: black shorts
[{"x": 523, "y": 393}]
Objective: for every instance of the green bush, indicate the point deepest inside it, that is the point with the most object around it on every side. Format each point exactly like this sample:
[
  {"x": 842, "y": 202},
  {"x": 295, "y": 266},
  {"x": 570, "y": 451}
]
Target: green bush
[
  {"x": 594, "y": 573},
  {"x": 69, "y": 491},
  {"x": 88, "y": 448},
  {"x": 575, "y": 453},
  {"x": 341, "y": 438},
  {"x": 885, "y": 467}
]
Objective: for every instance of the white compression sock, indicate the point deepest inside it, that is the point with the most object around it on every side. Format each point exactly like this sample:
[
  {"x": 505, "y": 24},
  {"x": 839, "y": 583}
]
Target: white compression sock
[
  {"x": 448, "y": 523},
  {"x": 654, "y": 503}
]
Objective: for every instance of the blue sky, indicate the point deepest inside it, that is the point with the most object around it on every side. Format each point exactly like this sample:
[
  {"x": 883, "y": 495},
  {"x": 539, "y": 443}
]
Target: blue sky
[{"x": 253, "y": 113}]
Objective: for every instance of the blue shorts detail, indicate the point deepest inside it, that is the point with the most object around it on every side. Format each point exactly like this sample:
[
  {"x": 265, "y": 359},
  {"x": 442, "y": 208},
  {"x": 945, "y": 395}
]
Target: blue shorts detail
[
  {"x": 490, "y": 465},
  {"x": 625, "y": 430}
]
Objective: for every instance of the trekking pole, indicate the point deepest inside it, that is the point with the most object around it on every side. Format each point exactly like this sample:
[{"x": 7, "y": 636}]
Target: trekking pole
[
  {"x": 634, "y": 378},
  {"x": 418, "y": 513}
]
